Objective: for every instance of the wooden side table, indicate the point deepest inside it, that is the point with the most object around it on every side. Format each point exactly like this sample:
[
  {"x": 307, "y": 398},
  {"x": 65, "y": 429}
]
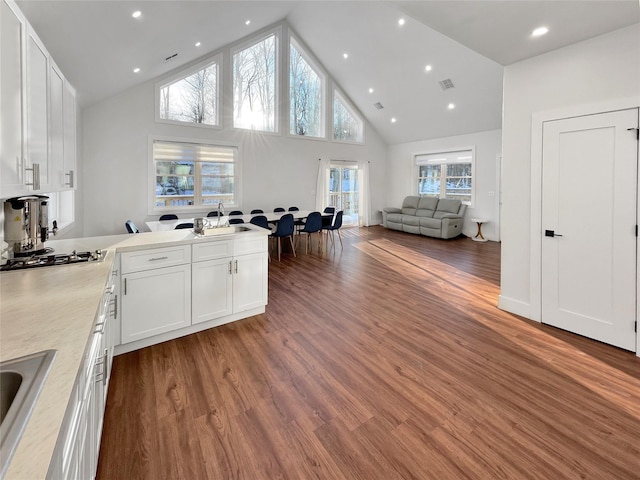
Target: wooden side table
[{"x": 479, "y": 237}]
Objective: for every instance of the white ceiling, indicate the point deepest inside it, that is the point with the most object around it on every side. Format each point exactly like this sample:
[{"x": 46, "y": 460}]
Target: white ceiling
[{"x": 97, "y": 44}]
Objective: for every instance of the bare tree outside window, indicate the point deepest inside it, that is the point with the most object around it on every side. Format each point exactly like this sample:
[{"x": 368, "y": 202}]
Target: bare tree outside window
[
  {"x": 346, "y": 126},
  {"x": 193, "y": 99},
  {"x": 305, "y": 97},
  {"x": 254, "y": 86}
]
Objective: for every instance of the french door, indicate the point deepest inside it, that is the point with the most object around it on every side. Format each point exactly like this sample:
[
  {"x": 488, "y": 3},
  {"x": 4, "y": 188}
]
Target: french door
[{"x": 343, "y": 192}]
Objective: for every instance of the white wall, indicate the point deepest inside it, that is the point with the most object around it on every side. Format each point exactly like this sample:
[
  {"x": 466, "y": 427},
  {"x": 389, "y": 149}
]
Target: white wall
[
  {"x": 402, "y": 175},
  {"x": 277, "y": 170},
  {"x": 597, "y": 71}
]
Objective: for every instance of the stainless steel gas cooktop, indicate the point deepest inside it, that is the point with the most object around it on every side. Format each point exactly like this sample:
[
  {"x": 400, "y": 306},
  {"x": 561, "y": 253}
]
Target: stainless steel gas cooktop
[{"x": 48, "y": 260}]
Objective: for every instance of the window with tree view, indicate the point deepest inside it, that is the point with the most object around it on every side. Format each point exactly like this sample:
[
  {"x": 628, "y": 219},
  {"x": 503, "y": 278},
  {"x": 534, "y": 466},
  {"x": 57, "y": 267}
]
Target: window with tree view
[
  {"x": 347, "y": 126},
  {"x": 254, "y": 86},
  {"x": 306, "y": 95},
  {"x": 192, "y": 99},
  {"x": 446, "y": 175},
  {"x": 190, "y": 174}
]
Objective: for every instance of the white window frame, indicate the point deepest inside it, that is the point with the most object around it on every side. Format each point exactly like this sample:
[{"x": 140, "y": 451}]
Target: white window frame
[
  {"x": 444, "y": 157},
  {"x": 253, "y": 40},
  {"x": 352, "y": 110},
  {"x": 217, "y": 59},
  {"x": 191, "y": 209},
  {"x": 304, "y": 53}
]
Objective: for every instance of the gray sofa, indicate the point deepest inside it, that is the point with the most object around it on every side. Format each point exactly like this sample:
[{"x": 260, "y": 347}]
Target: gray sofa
[{"x": 430, "y": 216}]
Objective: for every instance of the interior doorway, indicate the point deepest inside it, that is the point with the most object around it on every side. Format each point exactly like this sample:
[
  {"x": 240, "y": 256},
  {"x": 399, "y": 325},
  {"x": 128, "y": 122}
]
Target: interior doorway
[{"x": 589, "y": 221}]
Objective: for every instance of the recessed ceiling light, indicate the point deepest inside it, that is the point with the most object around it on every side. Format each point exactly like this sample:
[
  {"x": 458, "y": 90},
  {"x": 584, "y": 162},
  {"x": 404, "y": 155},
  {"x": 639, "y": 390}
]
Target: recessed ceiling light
[
  {"x": 538, "y": 32},
  {"x": 136, "y": 70},
  {"x": 345, "y": 55},
  {"x": 198, "y": 44},
  {"x": 428, "y": 68},
  {"x": 371, "y": 90},
  {"x": 136, "y": 14},
  {"x": 451, "y": 106},
  {"x": 248, "y": 22},
  {"x": 393, "y": 120},
  {"x": 401, "y": 22}
]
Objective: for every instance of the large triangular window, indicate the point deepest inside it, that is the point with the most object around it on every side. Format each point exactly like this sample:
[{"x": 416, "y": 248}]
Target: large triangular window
[
  {"x": 192, "y": 98},
  {"x": 306, "y": 99},
  {"x": 255, "y": 85},
  {"x": 347, "y": 124}
]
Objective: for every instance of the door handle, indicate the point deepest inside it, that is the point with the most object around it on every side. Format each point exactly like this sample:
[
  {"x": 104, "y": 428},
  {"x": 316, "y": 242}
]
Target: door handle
[{"x": 551, "y": 233}]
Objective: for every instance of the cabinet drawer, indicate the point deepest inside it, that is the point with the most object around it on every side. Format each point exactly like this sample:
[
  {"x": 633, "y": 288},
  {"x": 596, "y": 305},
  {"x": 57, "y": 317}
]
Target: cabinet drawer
[
  {"x": 252, "y": 244},
  {"x": 155, "y": 258},
  {"x": 212, "y": 250}
]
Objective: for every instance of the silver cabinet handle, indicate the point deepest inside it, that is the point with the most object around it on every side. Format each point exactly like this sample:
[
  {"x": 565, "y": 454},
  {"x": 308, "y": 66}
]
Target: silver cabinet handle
[
  {"x": 236, "y": 266},
  {"x": 230, "y": 267},
  {"x": 155, "y": 259},
  {"x": 35, "y": 177},
  {"x": 70, "y": 182}
]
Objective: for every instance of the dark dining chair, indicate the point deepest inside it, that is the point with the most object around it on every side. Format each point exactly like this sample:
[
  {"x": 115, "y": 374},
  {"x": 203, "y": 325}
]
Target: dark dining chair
[
  {"x": 261, "y": 221},
  {"x": 327, "y": 216},
  {"x": 236, "y": 212},
  {"x": 168, "y": 216},
  {"x": 235, "y": 221},
  {"x": 278, "y": 209},
  {"x": 214, "y": 213},
  {"x": 256, "y": 210},
  {"x": 335, "y": 227},
  {"x": 311, "y": 226},
  {"x": 284, "y": 229},
  {"x": 131, "y": 227},
  {"x": 180, "y": 226},
  {"x": 298, "y": 223}
]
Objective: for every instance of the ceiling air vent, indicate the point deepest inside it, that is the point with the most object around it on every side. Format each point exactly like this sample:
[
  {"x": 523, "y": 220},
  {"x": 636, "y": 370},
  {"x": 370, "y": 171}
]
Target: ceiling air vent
[
  {"x": 378, "y": 105},
  {"x": 170, "y": 57},
  {"x": 446, "y": 84}
]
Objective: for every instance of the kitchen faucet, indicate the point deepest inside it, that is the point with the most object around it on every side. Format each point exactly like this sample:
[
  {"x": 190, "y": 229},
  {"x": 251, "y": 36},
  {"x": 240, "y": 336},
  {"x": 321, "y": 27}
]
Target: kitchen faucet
[{"x": 220, "y": 213}]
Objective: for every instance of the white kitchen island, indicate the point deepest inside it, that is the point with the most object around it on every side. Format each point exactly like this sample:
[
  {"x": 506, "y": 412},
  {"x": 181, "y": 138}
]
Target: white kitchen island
[{"x": 56, "y": 308}]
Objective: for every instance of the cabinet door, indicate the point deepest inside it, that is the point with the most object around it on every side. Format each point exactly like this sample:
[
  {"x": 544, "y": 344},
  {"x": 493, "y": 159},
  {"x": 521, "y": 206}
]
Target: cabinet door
[
  {"x": 37, "y": 104},
  {"x": 56, "y": 130},
  {"x": 250, "y": 277},
  {"x": 11, "y": 101},
  {"x": 211, "y": 289},
  {"x": 69, "y": 164},
  {"x": 155, "y": 302}
]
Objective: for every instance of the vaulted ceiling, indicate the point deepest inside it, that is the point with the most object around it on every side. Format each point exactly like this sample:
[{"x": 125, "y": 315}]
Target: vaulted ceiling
[{"x": 97, "y": 44}]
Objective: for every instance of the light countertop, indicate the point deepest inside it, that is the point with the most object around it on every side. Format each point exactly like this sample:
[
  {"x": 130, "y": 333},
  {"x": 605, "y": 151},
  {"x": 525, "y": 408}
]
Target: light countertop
[{"x": 55, "y": 308}]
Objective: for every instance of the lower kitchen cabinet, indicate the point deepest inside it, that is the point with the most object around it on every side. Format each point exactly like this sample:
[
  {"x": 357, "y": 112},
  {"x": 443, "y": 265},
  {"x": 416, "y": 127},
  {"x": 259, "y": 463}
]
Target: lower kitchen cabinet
[
  {"x": 155, "y": 301},
  {"x": 228, "y": 285},
  {"x": 76, "y": 452}
]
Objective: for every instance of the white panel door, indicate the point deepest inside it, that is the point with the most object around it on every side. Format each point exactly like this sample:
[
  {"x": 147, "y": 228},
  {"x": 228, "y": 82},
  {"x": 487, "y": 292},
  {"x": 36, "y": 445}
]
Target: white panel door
[{"x": 589, "y": 217}]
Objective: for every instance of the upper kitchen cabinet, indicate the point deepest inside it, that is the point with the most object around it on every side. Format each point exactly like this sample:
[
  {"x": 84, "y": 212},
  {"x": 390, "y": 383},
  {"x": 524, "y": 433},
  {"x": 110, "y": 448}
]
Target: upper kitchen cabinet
[
  {"x": 38, "y": 112},
  {"x": 12, "y": 35}
]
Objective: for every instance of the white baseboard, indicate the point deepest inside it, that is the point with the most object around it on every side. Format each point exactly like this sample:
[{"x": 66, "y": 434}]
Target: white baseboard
[{"x": 516, "y": 307}]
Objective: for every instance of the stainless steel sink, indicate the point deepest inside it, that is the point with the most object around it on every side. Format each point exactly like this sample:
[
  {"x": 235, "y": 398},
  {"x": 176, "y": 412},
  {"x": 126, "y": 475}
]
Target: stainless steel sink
[
  {"x": 224, "y": 230},
  {"x": 21, "y": 380}
]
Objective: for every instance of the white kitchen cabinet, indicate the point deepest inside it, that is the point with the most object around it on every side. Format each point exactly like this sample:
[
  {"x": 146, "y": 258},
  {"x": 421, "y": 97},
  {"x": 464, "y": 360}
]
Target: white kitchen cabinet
[
  {"x": 70, "y": 179},
  {"x": 12, "y": 72},
  {"x": 56, "y": 129},
  {"x": 37, "y": 112},
  {"x": 212, "y": 289},
  {"x": 228, "y": 284},
  {"x": 250, "y": 273},
  {"x": 76, "y": 452},
  {"x": 155, "y": 292}
]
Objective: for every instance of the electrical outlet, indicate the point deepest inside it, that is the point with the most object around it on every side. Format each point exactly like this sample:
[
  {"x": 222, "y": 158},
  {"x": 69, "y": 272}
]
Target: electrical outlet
[{"x": 492, "y": 194}]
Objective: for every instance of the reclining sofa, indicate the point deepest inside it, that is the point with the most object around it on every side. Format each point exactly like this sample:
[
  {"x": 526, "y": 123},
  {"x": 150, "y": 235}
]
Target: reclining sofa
[{"x": 430, "y": 216}]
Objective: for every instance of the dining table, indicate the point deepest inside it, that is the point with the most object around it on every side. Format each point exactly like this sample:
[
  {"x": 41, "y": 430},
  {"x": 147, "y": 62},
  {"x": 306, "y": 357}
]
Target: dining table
[{"x": 212, "y": 222}]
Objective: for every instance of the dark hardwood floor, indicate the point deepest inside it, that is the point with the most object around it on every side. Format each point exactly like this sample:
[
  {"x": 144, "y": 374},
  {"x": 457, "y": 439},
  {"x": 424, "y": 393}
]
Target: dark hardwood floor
[{"x": 386, "y": 360}]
